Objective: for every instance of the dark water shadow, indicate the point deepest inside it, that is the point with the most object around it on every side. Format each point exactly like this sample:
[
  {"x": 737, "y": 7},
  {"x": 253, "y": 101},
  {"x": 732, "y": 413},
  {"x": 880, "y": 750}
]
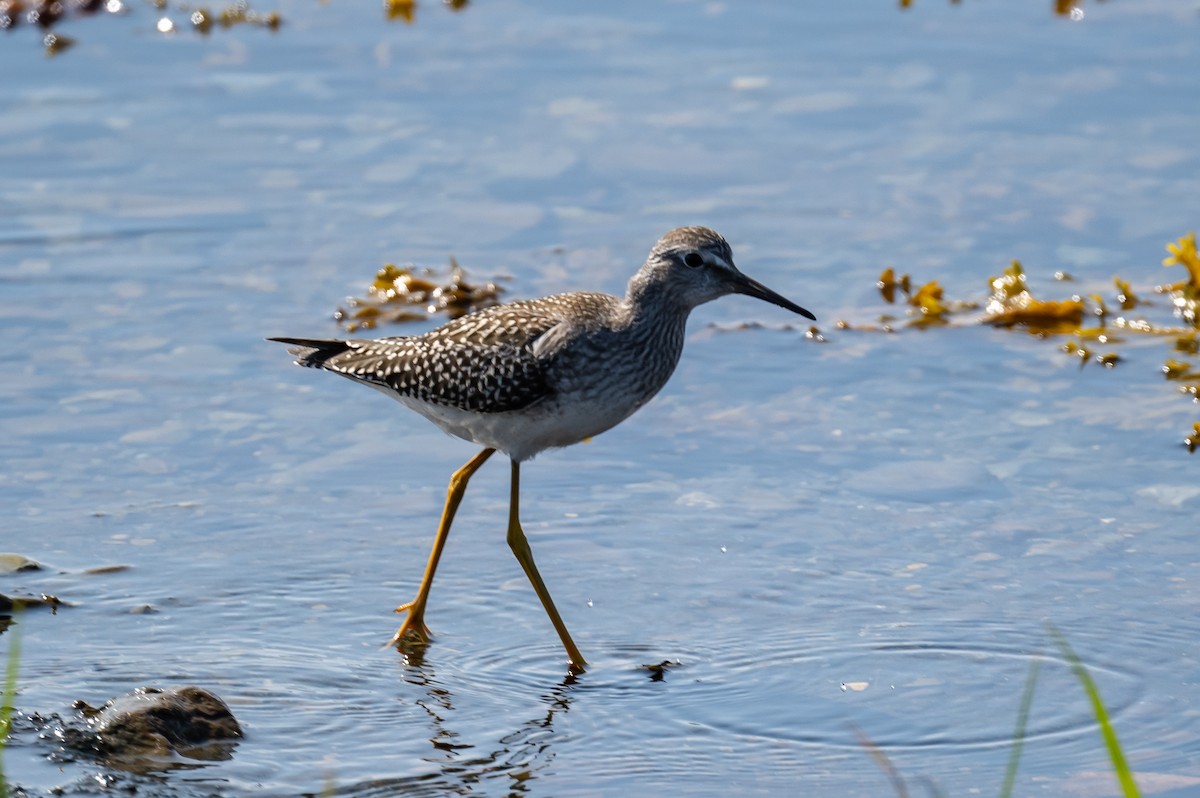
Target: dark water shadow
[{"x": 517, "y": 757}]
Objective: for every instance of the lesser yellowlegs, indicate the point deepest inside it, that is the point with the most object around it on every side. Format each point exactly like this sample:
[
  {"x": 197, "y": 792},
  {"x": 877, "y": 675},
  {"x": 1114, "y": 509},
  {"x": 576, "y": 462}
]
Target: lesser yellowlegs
[{"x": 541, "y": 373}]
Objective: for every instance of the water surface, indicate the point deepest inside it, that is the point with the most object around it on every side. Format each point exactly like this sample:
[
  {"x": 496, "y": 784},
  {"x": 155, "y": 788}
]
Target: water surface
[{"x": 861, "y": 536}]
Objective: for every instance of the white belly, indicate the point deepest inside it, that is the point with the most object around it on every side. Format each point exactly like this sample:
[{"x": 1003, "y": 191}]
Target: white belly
[{"x": 523, "y": 433}]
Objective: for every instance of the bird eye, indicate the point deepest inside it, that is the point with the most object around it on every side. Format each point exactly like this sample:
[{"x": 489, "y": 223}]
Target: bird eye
[{"x": 693, "y": 259}]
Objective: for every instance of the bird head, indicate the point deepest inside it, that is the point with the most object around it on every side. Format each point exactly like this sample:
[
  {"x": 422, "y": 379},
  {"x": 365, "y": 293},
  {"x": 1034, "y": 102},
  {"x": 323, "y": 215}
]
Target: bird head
[{"x": 694, "y": 265}]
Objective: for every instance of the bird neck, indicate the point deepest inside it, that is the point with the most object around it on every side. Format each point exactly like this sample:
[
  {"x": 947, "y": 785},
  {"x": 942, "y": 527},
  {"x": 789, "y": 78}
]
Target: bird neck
[
  {"x": 654, "y": 316},
  {"x": 648, "y": 298}
]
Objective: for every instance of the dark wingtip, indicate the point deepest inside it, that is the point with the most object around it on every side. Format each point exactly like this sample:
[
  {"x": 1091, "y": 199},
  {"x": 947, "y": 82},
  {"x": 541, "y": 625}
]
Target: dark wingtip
[{"x": 313, "y": 351}]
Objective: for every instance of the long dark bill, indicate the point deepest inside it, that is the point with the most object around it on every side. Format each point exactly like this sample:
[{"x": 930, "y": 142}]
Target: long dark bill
[{"x": 751, "y": 287}]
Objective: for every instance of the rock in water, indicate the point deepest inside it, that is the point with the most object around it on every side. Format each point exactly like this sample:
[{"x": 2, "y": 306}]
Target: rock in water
[{"x": 155, "y": 722}]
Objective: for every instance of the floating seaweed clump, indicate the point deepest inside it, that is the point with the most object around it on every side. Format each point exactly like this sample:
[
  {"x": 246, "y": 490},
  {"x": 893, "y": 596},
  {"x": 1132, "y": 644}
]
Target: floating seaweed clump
[
  {"x": 927, "y": 304},
  {"x": 1063, "y": 8},
  {"x": 238, "y": 13},
  {"x": 1185, "y": 295},
  {"x": 1086, "y": 355},
  {"x": 399, "y": 294},
  {"x": 46, "y": 14},
  {"x": 406, "y": 10},
  {"x": 1011, "y": 304}
]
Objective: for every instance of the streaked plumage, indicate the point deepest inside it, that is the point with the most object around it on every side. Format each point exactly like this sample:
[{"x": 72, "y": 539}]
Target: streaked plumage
[{"x": 536, "y": 374}]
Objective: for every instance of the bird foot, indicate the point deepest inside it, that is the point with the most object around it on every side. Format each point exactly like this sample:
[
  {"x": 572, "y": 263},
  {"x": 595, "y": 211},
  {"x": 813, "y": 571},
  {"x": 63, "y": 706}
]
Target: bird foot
[{"x": 413, "y": 632}]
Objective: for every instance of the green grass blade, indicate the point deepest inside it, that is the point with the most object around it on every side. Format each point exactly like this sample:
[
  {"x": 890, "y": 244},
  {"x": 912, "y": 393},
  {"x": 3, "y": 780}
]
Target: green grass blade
[
  {"x": 883, "y": 762},
  {"x": 1116, "y": 756},
  {"x": 1014, "y": 758},
  {"x": 8, "y": 696}
]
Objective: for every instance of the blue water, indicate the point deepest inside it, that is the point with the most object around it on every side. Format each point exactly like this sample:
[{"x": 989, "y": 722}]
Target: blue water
[{"x": 860, "y": 537}]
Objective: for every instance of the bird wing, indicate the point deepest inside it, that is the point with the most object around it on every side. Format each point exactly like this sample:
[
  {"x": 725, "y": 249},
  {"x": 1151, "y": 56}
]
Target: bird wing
[{"x": 483, "y": 362}]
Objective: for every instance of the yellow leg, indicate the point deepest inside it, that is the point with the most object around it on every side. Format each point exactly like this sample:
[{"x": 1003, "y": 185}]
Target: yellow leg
[
  {"x": 413, "y": 629},
  {"x": 520, "y": 547}
]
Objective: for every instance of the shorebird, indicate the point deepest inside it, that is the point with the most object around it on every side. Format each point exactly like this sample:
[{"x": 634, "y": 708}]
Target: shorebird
[{"x": 538, "y": 374}]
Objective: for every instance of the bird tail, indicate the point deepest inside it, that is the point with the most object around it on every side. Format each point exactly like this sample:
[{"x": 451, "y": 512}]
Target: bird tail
[{"x": 314, "y": 352}]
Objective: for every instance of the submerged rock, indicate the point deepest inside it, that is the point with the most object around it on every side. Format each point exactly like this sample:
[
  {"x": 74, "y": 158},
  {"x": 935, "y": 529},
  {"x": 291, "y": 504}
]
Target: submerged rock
[
  {"x": 11, "y": 604},
  {"x": 140, "y": 729},
  {"x": 16, "y": 563}
]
